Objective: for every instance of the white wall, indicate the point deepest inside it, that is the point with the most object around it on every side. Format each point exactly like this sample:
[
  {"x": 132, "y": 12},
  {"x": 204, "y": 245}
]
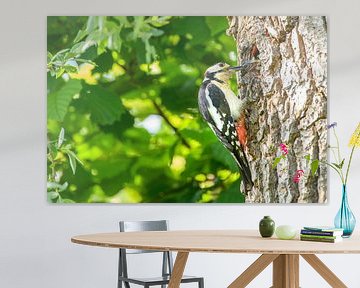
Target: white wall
[{"x": 35, "y": 248}]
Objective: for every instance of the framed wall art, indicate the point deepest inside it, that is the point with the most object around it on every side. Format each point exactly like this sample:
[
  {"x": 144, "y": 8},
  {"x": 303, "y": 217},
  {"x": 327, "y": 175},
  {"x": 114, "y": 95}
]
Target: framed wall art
[{"x": 184, "y": 109}]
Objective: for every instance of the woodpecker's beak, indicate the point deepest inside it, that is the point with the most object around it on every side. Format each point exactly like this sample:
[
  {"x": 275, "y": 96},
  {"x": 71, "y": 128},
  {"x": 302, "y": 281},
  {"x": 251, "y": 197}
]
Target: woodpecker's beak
[
  {"x": 236, "y": 68},
  {"x": 246, "y": 67}
]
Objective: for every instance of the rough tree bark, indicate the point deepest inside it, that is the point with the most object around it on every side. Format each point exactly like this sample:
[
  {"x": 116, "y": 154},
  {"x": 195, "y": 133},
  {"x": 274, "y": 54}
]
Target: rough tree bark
[{"x": 287, "y": 97}]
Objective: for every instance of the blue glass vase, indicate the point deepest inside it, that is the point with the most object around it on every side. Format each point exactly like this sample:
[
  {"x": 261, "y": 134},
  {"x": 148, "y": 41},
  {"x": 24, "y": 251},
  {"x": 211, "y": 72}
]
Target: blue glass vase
[{"x": 345, "y": 219}]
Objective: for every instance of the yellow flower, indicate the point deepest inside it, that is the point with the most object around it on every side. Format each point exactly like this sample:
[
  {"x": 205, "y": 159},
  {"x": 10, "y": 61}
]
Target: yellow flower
[{"x": 355, "y": 138}]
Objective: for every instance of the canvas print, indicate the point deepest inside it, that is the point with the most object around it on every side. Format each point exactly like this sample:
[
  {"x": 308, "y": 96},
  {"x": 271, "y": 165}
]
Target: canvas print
[{"x": 180, "y": 109}]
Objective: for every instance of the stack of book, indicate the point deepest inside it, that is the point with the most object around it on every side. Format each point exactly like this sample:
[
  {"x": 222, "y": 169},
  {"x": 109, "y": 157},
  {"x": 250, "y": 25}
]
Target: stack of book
[{"x": 321, "y": 234}]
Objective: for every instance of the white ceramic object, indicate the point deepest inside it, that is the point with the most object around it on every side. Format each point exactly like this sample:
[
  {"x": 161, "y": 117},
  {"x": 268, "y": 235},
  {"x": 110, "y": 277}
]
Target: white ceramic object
[{"x": 285, "y": 232}]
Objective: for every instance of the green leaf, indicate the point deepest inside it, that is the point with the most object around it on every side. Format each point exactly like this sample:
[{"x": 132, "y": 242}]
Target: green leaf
[
  {"x": 221, "y": 154},
  {"x": 89, "y": 53},
  {"x": 81, "y": 47},
  {"x": 336, "y": 165},
  {"x": 115, "y": 42},
  {"x": 119, "y": 127},
  {"x": 122, "y": 20},
  {"x": 72, "y": 161},
  {"x": 59, "y": 72},
  {"x": 59, "y": 101},
  {"x": 139, "y": 48},
  {"x": 54, "y": 84},
  {"x": 104, "y": 106},
  {"x": 173, "y": 96},
  {"x": 58, "y": 186},
  {"x": 67, "y": 201},
  {"x": 150, "y": 53},
  {"x": 85, "y": 61},
  {"x": 59, "y": 54},
  {"x": 307, "y": 157},
  {"x": 52, "y": 195},
  {"x": 49, "y": 57},
  {"x": 70, "y": 69},
  {"x": 159, "y": 21},
  {"x": 111, "y": 168},
  {"x": 203, "y": 136},
  {"x": 52, "y": 150},
  {"x": 314, "y": 166},
  {"x": 194, "y": 26},
  {"x": 92, "y": 23},
  {"x": 71, "y": 66},
  {"x": 217, "y": 24},
  {"x": 104, "y": 62},
  {"x": 113, "y": 185},
  {"x": 72, "y": 158},
  {"x": 80, "y": 35},
  {"x": 74, "y": 155},
  {"x": 156, "y": 32},
  {"x": 61, "y": 137},
  {"x": 232, "y": 194},
  {"x": 342, "y": 163},
  {"x": 277, "y": 161}
]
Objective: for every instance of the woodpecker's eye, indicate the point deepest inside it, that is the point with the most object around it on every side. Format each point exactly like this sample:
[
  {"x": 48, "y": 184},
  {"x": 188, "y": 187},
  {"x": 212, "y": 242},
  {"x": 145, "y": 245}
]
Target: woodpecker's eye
[{"x": 221, "y": 65}]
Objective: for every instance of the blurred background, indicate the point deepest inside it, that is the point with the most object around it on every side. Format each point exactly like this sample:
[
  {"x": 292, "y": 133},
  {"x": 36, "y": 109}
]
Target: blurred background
[{"x": 122, "y": 117}]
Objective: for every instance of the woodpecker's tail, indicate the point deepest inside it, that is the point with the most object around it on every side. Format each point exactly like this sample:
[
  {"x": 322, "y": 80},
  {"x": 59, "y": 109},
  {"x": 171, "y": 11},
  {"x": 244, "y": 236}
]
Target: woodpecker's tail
[
  {"x": 240, "y": 156},
  {"x": 244, "y": 169}
]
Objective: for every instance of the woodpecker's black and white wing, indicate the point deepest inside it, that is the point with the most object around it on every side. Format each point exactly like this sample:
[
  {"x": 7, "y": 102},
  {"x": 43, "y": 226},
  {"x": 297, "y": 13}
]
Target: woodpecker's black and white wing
[{"x": 216, "y": 111}]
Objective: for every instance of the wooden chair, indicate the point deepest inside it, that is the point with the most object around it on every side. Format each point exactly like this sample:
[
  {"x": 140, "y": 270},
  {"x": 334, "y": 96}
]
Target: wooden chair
[{"x": 167, "y": 262}]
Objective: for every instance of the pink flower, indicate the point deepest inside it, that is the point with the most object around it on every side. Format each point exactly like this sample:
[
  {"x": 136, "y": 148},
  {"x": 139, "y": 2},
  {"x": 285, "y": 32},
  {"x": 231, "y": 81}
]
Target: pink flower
[
  {"x": 284, "y": 149},
  {"x": 298, "y": 175}
]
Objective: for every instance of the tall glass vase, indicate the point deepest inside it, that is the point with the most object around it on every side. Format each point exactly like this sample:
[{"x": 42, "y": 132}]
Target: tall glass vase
[{"x": 345, "y": 219}]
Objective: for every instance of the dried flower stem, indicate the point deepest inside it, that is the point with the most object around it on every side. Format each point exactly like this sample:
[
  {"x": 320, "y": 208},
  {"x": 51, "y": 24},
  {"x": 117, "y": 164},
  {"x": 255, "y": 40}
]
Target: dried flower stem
[
  {"x": 335, "y": 168},
  {"x": 338, "y": 145},
  {"x": 348, "y": 167},
  {"x": 337, "y": 159}
]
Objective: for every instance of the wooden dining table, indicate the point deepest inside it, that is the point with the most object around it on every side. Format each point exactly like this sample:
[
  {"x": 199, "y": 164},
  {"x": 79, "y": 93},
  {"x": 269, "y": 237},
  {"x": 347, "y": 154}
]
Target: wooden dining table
[{"x": 283, "y": 254}]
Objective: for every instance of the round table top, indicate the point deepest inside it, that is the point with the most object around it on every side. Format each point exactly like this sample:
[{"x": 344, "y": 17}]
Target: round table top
[{"x": 220, "y": 241}]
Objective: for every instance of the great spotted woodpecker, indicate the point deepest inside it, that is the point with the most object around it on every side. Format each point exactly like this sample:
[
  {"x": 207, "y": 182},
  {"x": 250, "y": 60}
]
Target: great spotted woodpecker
[{"x": 224, "y": 112}]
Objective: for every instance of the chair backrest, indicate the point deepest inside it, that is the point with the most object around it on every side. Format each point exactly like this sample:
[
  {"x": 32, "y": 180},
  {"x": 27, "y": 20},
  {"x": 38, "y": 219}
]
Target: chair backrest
[{"x": 134, "y": 226}]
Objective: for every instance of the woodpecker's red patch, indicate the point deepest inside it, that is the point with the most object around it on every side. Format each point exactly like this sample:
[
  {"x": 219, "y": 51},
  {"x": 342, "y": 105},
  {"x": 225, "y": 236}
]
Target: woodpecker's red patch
[
  {"x": 254, "y": 51},
  {"x": 241, "y": 130}
]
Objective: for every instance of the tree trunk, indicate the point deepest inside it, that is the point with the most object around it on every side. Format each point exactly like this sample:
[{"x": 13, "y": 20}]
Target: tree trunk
[{"x": 287, "y": 103}]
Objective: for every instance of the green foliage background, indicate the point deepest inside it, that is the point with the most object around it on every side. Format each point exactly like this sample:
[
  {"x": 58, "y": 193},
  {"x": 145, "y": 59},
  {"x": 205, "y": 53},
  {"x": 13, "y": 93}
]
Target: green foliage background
[{"x": 123, "y": 123}]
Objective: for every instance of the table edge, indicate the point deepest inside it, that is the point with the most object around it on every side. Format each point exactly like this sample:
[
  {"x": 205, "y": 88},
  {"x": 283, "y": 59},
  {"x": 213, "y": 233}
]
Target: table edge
[{"x": 203, "y": 250}]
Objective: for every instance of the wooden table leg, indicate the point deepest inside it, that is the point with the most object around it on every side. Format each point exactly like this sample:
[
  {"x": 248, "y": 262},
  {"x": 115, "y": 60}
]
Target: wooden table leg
[
  {"x": 279, "y": 269},
  {"x": 324, "y": 271},
  {"x": 293, "y": 264},
  {"x": 253, "y": 270},
  {"x": 178, "y": 270},
  {"x": 286, "y": 271}
]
